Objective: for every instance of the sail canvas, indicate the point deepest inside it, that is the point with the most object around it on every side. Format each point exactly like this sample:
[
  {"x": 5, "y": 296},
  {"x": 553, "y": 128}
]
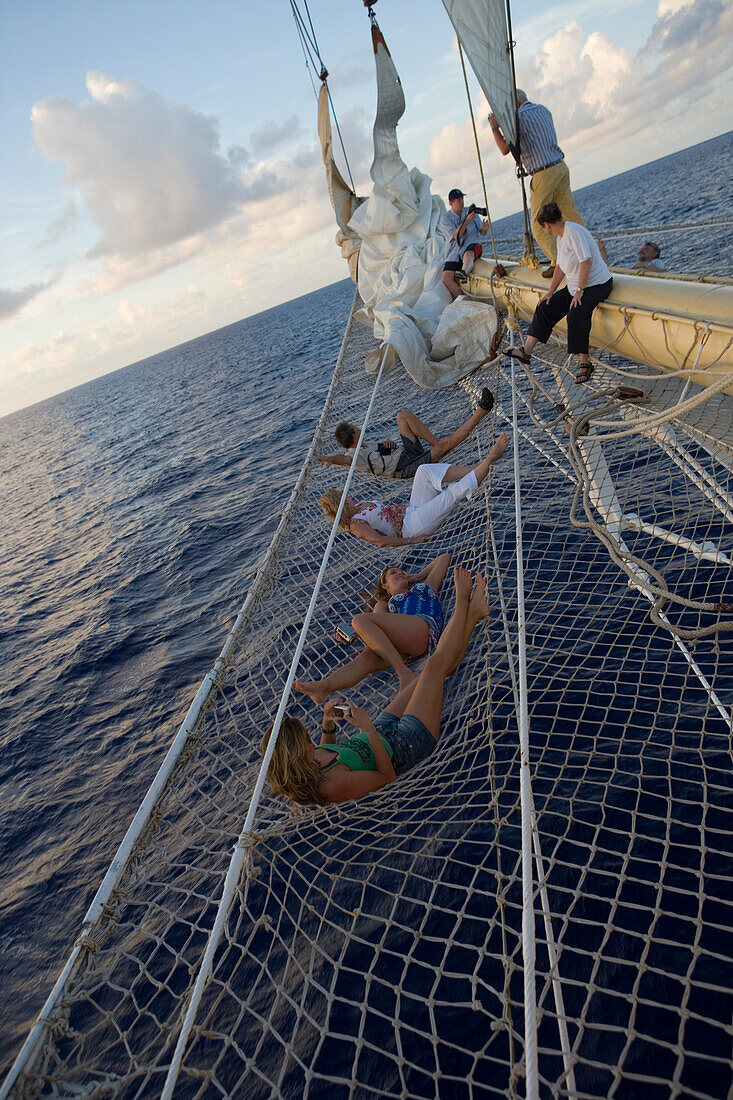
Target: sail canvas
[{"x": 481, "y": 26}]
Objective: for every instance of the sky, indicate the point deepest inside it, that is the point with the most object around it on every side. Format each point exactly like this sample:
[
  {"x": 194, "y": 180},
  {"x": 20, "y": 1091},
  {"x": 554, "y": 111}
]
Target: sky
[{"x": 162, "y": 178}]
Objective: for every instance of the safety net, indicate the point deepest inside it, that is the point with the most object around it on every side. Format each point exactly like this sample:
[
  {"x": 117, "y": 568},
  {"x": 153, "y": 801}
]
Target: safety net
[{"x": 539, "y": 917}]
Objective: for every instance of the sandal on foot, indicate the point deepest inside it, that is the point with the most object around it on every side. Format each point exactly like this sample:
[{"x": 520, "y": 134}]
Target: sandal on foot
[
  {"x": 519, "y": 354},
  {"x": 585, "y": 373},
  {"x": 486, "y": 400},
  {"x": 460, "y": 276}
]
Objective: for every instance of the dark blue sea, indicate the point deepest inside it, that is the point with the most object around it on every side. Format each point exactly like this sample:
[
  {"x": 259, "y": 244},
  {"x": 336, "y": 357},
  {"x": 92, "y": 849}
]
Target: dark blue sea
[{"x": 135, "y": 509}]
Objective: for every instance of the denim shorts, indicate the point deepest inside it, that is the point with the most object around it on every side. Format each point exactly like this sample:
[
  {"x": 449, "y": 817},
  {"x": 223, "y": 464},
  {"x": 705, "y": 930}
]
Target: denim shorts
[{"x": 410, "y": 739}]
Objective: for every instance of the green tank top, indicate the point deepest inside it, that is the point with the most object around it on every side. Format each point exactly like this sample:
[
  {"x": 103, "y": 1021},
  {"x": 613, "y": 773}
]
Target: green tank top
[{"x": 356, "y": 753}]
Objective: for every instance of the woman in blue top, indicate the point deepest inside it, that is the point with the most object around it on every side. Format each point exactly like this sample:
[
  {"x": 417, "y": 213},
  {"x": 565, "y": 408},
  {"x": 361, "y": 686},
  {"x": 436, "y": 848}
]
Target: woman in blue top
[
  {"x": 406, "y": 622},
  {"x": 403, "y": 735}
]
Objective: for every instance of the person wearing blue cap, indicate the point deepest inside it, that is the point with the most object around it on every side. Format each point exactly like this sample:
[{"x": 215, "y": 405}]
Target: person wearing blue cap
[{"x": 461, "y": 230}]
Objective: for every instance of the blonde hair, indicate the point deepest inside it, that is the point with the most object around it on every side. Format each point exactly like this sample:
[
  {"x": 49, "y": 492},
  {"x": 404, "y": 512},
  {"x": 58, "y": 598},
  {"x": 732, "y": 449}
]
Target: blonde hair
[
  {"x": 329, "y": 505},
  {"x": 380, "y": 590},
  {"x": 290, "y": 771}
]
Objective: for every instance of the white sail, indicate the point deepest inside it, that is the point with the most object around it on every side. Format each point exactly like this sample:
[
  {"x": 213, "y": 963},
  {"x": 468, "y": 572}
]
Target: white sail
[
  {"x": 401, "y": 259},
  {"x": 343, "y": 199},
  {"x": 481, "y": 26}
]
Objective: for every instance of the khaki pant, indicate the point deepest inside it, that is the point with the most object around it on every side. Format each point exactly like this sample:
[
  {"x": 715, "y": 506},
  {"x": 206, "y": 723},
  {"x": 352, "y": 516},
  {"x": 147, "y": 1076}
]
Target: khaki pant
[{"x": 551, "y": 185}]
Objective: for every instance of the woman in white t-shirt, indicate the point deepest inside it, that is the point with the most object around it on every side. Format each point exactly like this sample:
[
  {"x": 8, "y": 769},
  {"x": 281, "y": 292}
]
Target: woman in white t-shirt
[{"x": 589, "y": 281}]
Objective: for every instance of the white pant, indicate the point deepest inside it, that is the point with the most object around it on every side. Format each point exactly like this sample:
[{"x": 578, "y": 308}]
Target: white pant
[{"x": 430, "y": 503}]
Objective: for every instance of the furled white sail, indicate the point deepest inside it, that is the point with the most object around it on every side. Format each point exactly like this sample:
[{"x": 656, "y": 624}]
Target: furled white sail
[
  {"x": 343, "y": 199},
  {"x": 481, "y": 26},
  {"x": 401, "y": 257}
]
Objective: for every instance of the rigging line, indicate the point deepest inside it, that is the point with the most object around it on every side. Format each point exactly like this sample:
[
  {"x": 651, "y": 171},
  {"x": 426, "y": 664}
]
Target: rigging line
[
  {"x": 311, "y": 44},
  {"x": 529, "y": 250},
  {"x": 241, "y": 847},
  {"x": 341, "y": 140},
  {"x": 313, "y": 32},
  {"x": 551, "y": 943},
  {"x": 531, "y": 1022},
  {"x": 478, "y": 150},
  {"x": 305, "y": 53}
]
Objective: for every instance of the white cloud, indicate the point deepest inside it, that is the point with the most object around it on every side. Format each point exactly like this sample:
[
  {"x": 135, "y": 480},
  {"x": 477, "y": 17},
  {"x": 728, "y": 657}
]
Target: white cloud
[
  {"x": 153, "y": 179},
  {"x": 149, "y": 173},
  {"x": 274, "y": 134},
  {"x": 12, "y": 301},
  {"x": 601, "y": 93}
]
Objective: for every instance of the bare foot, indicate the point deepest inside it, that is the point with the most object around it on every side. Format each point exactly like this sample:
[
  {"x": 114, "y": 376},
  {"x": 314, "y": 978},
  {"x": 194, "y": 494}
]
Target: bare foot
[
  {"x": 478, "y": 606},
  {"x": 406, "y": 678},
  {"x": 462, "y": 581},
  {"x": 313, "y": 688},
  {"x": 499, "y": 447}
]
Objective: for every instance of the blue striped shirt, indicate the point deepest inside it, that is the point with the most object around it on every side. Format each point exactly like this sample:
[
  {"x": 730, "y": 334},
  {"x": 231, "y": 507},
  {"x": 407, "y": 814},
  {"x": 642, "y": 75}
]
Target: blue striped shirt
[{"x": 537, "y": 138}]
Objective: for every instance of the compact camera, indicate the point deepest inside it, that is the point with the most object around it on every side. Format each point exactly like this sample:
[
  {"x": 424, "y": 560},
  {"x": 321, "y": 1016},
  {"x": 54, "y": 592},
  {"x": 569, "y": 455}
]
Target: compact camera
[
  {"x": 345, "y": 633},
  {"x": 341, "y": 710}
]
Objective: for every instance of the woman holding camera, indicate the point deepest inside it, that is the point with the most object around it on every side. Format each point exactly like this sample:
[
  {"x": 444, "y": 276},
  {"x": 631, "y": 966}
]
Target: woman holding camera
[
  {"x": 399, "y": 738},
  {"x": 406, "y": 622}
]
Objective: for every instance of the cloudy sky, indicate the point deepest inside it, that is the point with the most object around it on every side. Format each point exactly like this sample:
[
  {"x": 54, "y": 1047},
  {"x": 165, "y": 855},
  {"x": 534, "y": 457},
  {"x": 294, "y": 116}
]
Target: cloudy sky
[{"x": 161, "y": 172}]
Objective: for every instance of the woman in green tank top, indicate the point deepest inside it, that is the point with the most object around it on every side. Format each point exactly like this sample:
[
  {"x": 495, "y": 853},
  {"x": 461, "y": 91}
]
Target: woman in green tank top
[{"x": 399, "y": 738}]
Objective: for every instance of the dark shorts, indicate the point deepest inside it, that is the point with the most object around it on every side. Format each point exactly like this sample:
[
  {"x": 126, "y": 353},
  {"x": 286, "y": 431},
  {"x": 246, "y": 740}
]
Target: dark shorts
[
  {"x": 410, "y": 739},
  {"x": 457, "y": 265},
  {"x": 414, "y": 454}
]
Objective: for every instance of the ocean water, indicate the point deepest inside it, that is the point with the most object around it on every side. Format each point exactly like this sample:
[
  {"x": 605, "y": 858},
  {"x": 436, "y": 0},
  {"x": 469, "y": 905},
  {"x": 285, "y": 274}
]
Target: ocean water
[{"x": 135, "y": 510}]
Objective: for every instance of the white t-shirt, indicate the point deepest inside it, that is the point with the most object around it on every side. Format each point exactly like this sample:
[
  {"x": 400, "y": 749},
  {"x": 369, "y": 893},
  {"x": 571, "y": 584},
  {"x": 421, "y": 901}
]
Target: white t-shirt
[
  {"x": 576, "y": 245},
  {"x": 370, "y": 461}
]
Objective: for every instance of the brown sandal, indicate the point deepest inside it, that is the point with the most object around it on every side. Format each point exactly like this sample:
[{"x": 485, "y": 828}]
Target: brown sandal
[
  {"x": 585, "y": 373},
  {"x": 519, "y": 354}
]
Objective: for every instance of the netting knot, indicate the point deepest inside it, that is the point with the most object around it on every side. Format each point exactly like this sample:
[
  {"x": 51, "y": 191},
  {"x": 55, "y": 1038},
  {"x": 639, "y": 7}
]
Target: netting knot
[{"x": 88, "y": 943}]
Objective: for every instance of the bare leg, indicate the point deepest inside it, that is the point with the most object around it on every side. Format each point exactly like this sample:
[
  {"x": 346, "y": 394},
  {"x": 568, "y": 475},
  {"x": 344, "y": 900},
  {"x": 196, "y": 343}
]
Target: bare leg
[
  {"x": 411, "y": 426},
  {"x": 348, "y": 675},
  {"x": 468, "y": 260},
  {"x": 401, "y": 701},
  {"x": 426, "y": 703},
  {"x": 483, "y": 467},
  {"x": 427, "y": 698},
  {"x": 390, "y": 636},
  {"x": 452, "y": 286},
  {"x": 441, "y": 447}
]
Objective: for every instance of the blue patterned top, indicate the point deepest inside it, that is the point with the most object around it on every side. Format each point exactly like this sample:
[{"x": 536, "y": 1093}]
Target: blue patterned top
[{"x": 421, "y": 600}]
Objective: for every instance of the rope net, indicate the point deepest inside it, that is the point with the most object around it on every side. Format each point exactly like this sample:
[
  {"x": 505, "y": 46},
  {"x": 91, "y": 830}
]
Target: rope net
[{"x": 374, "y": 948}]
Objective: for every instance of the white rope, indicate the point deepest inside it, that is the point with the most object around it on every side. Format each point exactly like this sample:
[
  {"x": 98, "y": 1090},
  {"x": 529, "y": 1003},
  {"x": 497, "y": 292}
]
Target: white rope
[
  {"x": 528, "y": 932},
  {"x": 238, "y": 857}
]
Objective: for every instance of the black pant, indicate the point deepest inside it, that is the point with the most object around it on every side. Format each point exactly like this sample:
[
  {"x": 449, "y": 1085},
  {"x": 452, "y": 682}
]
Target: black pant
[{"x": 549, "y": 313}]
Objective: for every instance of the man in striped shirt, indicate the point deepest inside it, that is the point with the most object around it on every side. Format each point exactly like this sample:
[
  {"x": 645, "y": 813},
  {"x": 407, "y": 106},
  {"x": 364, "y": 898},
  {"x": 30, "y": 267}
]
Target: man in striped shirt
[{"x": 544, "y": 161}]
